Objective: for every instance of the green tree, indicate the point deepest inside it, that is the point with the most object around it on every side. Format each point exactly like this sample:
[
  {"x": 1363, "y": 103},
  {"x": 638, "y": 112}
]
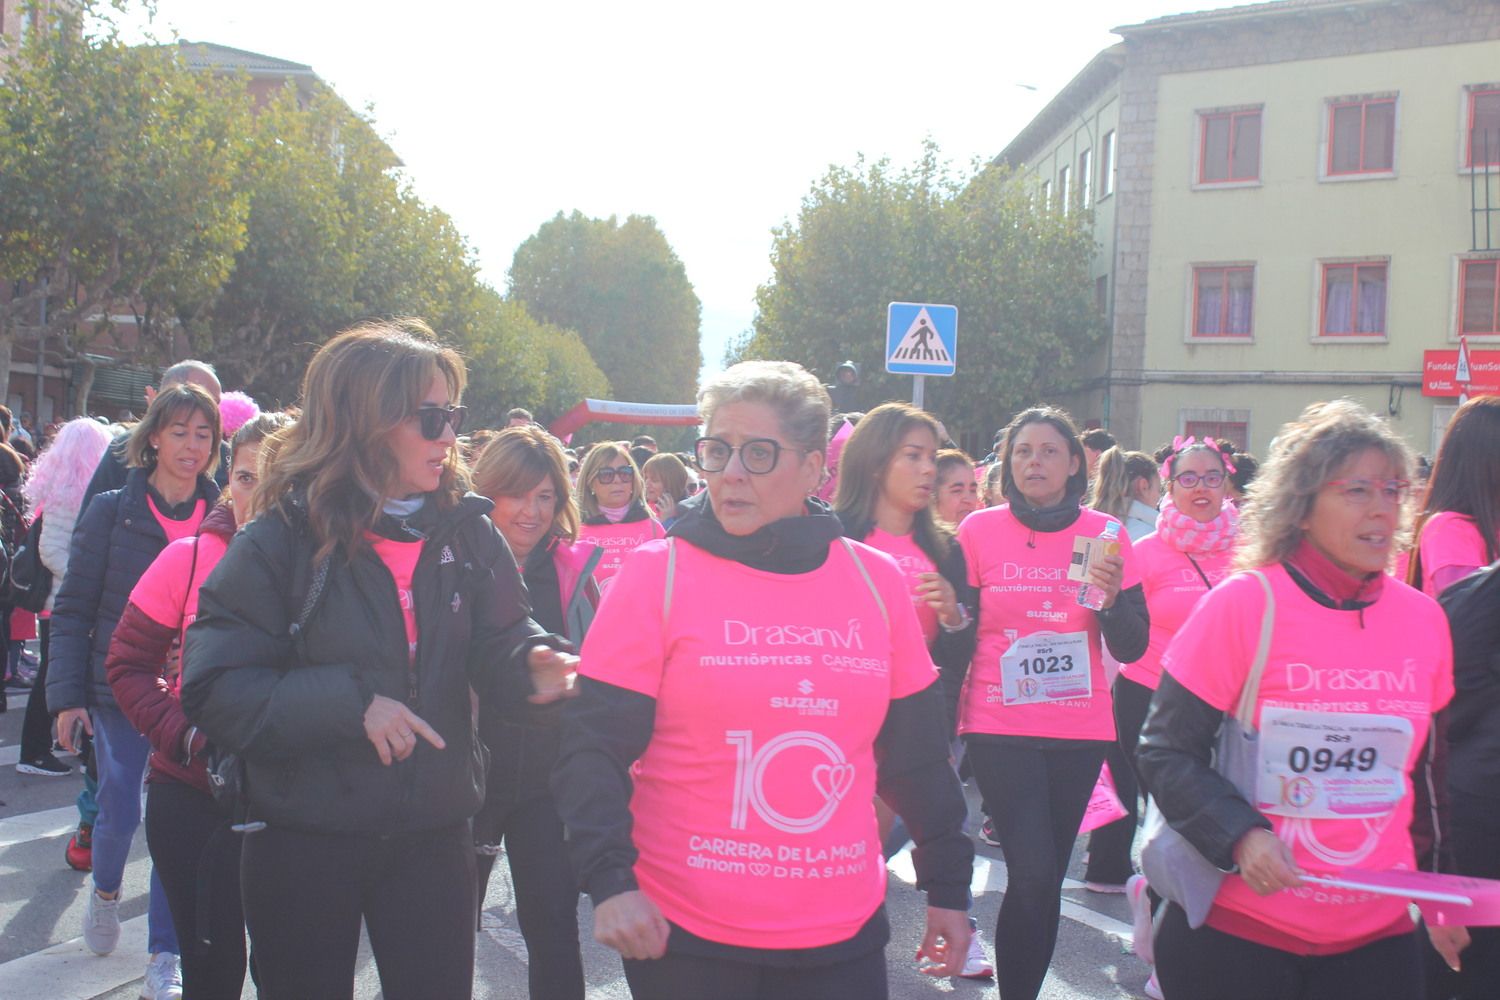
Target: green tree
[
  {"x": 625, "y": 292},
  {"x": 119, "y": 167},
  {"x": 872, "y": 234}
]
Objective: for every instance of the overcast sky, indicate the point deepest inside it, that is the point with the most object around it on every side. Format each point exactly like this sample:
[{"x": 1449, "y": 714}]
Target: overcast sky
[{"x": 715, "y": 119}]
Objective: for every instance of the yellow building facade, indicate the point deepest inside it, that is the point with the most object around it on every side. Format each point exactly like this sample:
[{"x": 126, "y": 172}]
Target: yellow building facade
[{"x": 1294, "y": 213}]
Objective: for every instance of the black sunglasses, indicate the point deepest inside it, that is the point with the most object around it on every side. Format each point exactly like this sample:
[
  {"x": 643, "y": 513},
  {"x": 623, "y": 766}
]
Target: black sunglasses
[
  {"x": 607, "y": 475},
  {"x": 434, "y": 418}
]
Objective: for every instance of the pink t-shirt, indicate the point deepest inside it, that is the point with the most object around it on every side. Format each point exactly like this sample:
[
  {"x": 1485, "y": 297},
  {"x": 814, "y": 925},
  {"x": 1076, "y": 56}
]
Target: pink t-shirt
[
  {"x": 174, "y": 530},
  {"x": 401, "y": 559},
  {"x": 618, "y": 541},
  {"x": 163, "y": 591},
  {"x": 1172, "y": 588},
  {"x": 1449, "y": 541},
  {"x": 913, "y": 562},
  {"x": 1025, "y": 597},
  {"x": 753, "y": 802},
  {"x": 1390, "y": 666}
]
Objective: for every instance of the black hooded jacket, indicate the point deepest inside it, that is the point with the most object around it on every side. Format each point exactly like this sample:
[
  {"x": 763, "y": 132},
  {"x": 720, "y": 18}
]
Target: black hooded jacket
[{"x": 293, "y": 707}]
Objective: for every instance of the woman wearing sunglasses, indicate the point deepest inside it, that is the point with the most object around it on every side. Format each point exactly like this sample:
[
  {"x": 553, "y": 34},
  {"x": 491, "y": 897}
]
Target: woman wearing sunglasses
[
  {"x": 1356, "y": 665},
  {"x": 1187, "y": 555},
  {"x": 745, "y": 688},
  {"x": 611, "y": 496},
  {"x": 337, "y": 646}
]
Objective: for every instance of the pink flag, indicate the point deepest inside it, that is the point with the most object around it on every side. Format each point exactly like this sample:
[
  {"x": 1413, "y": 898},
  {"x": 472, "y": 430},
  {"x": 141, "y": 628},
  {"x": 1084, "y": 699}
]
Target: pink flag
[
  {"x": 1104, "y": 805},
  {"x": 1443, "y": 899}
]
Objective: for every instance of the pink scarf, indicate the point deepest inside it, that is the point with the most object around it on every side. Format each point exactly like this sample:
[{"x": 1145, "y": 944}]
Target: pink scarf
[
  {"x": 615, "y": 514},
  {"x": 1186, "y": 534}
]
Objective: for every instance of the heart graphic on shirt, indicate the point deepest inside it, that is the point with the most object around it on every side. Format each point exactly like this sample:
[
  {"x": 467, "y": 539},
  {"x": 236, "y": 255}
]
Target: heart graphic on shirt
[
  {"x": 833, "y": 780},
  {"x": 760, "y": 868}
]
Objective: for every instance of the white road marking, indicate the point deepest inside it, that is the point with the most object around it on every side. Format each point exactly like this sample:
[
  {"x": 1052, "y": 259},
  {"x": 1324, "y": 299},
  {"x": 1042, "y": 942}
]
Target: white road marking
[
  {"x": 69, "y": 971},
  {"x": 990, "y": 876},
  {"x": 35, "y": 826}
]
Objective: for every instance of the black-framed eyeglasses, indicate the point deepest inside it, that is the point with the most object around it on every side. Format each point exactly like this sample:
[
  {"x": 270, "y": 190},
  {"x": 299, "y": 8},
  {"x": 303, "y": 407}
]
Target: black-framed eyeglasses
[
  {"x": 1187, "y": 480},
  {"x": 758, "y": 455},
  {"x": 607, "y": 475},
  {"x": 434, "y": 418},
  {"x": 1361, "y": 492}
]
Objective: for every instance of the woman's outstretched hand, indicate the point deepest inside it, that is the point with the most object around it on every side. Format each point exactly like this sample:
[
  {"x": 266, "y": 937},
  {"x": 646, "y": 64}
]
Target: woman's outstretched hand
[{"x": 553, "y": 674}]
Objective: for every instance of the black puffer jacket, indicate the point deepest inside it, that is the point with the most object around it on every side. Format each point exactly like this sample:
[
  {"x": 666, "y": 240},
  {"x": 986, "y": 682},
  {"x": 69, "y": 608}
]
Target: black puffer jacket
[
  {"x": 117, "y": 538},
  {"x": 294, "y": 708}
]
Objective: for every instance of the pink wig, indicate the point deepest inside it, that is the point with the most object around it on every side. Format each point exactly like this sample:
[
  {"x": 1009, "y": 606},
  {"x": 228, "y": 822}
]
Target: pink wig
[
  {"x": 236, "y": 409},
  {"x": 62, "y": 472}
]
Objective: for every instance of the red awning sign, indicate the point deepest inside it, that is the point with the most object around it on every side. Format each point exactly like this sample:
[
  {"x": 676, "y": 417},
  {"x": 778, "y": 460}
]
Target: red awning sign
[{"x": 1440, "y": 373}]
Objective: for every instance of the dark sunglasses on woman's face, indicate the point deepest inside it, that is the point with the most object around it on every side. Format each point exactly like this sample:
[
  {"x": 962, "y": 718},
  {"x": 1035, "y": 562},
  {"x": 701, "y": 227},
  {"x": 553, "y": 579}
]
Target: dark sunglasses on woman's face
[
  {"x": 607, "y": 475},
  {"x": 434, "y": 418}
]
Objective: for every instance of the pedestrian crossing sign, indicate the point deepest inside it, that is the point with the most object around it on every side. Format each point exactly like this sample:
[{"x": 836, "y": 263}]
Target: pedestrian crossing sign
[{"x": 921, "y": 338}]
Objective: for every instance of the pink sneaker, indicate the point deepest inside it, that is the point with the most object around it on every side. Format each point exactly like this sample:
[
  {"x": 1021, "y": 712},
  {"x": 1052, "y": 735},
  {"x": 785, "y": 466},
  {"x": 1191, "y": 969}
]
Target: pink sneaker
[{"x": 1140, "y": 912}]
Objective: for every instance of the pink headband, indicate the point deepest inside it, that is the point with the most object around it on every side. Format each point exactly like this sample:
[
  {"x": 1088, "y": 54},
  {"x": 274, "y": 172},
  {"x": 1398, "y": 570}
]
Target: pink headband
[{"x": 1181, "y": 444}]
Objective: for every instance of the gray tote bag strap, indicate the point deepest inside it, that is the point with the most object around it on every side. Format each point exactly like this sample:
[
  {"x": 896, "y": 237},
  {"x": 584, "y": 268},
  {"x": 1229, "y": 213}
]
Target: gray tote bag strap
[
  {"x": 666, "y": 603},
  {"x": 1244, "y": 712},
  {"x": 858, "y": 562}
]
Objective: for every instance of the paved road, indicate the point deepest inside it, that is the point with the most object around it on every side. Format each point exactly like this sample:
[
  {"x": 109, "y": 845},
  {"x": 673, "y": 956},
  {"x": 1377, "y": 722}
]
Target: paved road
[{"x": 42, "y": 900}]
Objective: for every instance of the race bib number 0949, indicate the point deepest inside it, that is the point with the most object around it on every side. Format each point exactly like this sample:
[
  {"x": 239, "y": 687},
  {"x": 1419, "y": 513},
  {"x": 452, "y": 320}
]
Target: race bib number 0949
[
  {"x": 1042, "y": 668},
  {"x": 1331, "y": 765}
]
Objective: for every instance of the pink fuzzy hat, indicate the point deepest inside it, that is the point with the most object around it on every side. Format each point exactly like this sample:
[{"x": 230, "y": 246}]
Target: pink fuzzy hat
[{"x": 236, "y": 409}]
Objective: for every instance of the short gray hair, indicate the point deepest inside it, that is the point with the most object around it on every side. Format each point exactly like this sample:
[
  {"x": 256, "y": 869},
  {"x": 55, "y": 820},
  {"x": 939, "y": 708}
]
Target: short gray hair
[
  {"x": 799, "y": 400},
  {"x": 1307, "y": 453},
  {"x": 183, "y": 371}
]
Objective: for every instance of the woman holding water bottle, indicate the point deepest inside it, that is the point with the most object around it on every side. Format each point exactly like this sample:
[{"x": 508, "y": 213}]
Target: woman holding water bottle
[{"x": 1036, "y": 713}]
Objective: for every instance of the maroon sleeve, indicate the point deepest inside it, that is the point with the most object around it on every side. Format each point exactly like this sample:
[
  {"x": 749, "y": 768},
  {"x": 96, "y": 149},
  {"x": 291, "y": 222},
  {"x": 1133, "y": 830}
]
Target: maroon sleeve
[{"x": 137, "y": 653}]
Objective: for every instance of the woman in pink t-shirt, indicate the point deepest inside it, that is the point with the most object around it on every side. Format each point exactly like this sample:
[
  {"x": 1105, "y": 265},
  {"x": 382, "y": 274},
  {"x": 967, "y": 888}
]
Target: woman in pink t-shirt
[
  {"x": 957, "y": 487},
  {"x": 1036, "y": 713},
  {"x": 186, "y": 830},
  {"x": 1458, "y": 533},
  {"x": 745, "y": 688},
  {"x": 1357, "y": 665},
  {"x": 611, "y": 497},
  {"x": 523, "y": 470}
]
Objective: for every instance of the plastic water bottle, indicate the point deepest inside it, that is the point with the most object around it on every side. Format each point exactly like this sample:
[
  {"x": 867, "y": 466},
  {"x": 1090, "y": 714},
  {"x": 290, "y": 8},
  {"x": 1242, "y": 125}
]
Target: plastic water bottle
[{"x": 1090, "y": 596}]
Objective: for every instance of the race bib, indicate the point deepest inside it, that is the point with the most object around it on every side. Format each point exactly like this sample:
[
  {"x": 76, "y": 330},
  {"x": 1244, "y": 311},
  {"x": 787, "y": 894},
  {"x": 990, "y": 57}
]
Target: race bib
[
  {"x": 1046, "y": 667},
  {"x": 1331, "y": 765}
]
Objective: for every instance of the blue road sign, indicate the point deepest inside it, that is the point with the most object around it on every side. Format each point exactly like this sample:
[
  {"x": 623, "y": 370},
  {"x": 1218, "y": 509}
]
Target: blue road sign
[{"x": 921, "y": 339}]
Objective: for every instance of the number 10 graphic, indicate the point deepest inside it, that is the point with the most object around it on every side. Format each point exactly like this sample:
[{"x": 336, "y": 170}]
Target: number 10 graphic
[{"x": 832, "y": 779}]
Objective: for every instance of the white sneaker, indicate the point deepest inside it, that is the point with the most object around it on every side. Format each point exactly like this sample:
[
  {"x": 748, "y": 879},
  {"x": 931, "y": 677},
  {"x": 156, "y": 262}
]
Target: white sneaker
[
  {"x": 976, "y": 965},
  {"x": 1140, "y": 913},
  {"x": 101, "y": 923},
  {"x": 163, "y": 978}
]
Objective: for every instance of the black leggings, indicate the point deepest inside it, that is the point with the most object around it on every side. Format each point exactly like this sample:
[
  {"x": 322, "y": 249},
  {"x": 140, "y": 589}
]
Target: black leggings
[
  {"x": 306, "y": 892},
  {"x": 197, "y": 858},
  {"x": 1039, "y": 798},
  {"x": 36, "y": 727},
  {"x": 1206, "y": 964},
  {"x": 546, "y": 893},
  {"x": 678, "y": 977},
  {"x": 1131, "y": 701}
]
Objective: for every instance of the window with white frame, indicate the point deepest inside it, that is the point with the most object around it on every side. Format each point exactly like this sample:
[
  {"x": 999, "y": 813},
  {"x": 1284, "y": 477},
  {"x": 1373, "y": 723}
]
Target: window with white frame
[
  {"x": 1107, "y": 165},
  {"x": 1086, "y": 178}
]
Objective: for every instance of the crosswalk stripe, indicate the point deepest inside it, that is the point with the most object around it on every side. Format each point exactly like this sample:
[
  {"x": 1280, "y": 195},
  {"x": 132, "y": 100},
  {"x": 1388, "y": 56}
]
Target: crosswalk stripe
[
  {"x": 36, "y": 825},
  {"x": 10, "y": 756},
  {"x": 69, "y": 971}
]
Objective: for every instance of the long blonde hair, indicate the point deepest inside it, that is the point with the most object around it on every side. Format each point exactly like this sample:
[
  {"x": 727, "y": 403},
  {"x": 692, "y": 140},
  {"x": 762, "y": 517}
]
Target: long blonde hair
[
  {"x": 516, "y": 460},
  {"x": 358, "y": 388},
  {"x": 599, "y": 455},
  {"x": 1113, "y": 487}
]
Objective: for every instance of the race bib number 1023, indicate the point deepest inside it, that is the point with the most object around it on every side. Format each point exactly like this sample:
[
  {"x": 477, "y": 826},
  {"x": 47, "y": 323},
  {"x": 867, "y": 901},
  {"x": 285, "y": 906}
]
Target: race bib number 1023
[
  {"x": 1047, "y": 667},
  {"x": 1331, "y": 765}
]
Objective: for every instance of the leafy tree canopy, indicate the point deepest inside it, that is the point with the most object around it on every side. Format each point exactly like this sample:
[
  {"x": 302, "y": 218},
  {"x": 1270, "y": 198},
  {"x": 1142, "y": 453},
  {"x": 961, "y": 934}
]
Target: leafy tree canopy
[{"x": 872, "y": 234}]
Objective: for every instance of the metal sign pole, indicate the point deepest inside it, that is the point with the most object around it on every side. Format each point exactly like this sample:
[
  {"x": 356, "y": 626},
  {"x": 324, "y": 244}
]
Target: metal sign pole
[{"x": 918, "y": 390}]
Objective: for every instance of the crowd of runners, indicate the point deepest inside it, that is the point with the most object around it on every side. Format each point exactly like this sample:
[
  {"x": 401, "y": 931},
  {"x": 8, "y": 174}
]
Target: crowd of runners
[{"x": 358, "y": 651}]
